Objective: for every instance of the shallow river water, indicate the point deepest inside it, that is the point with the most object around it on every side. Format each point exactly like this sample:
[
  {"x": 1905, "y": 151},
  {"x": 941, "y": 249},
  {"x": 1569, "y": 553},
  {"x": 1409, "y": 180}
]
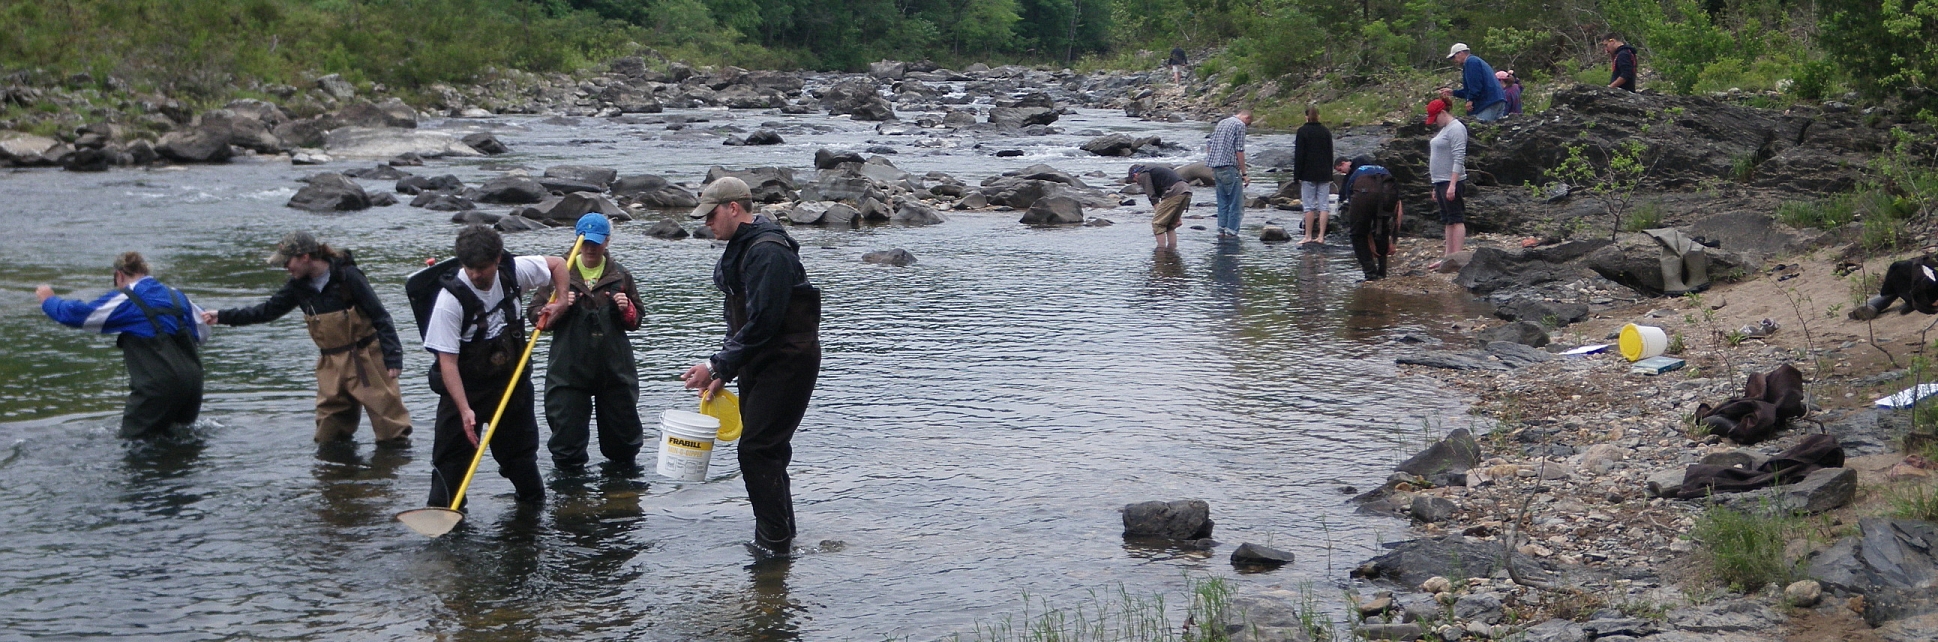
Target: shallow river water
[{"x": 981, "y": 417}]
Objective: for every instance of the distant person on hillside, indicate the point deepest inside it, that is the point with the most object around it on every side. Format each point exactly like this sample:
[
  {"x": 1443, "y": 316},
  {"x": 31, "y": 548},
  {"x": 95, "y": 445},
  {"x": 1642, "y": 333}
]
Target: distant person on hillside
[
  {"x": 1225, "y": 154},
  {"x": 1177, "y": 63},
  {"x": 1621, "y": 62},
  {"x": 1447, "y": 168},
  {"x": 1511, "y": 87},
  {"x": 1372, "y": 201},
  {"x": 1485, "y": 100},
  {"x": 1312, "y": 167},
  {"x": 1169, "y": 194}
]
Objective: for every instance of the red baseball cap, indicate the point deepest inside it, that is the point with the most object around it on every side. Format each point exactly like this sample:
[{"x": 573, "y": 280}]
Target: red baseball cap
[{"x": 1434, "y": 108}]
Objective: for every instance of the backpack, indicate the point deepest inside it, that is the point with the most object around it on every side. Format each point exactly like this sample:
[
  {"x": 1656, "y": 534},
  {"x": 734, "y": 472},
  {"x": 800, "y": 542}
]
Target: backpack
[{"x": 422, "y": 287}]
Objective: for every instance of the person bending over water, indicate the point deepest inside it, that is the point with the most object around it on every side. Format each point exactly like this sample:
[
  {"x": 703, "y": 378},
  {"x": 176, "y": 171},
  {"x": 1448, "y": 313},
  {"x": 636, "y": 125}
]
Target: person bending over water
[{"x": 158, "y": 330}]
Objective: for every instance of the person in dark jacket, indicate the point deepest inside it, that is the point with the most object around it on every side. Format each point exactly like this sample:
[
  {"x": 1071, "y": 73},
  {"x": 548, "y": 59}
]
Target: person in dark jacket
[
  {"x": 1170, "y": 195},
  {"x": 1511, "y": 86},
  {"x": 1621, "y": 62},
  {"x": 1177, "y": 63},
  {"x": 361, "y": 356},
  {"x": 157, "y": 329},
  {"x": 1373, "y": 210},
  {"x": 592, "y": 359},
  {"x": 773, "y": 347},
  {"x": 1312, "y": 167},
  {"x": 1914, "y": 280}
]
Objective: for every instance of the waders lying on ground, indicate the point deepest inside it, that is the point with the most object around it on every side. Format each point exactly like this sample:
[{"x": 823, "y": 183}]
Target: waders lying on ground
[{"x": 435, "y": 522}]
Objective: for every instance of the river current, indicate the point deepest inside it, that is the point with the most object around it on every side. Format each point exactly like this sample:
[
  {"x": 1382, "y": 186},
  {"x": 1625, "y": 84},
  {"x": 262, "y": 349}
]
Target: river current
[{"x": 982, "y": 415}]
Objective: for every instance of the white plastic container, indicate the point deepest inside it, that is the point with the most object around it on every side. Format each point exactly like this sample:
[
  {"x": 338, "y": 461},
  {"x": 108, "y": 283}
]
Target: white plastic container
[
  {"x": 686, "y": 444},
  {"x": 1640, "y": 342}
]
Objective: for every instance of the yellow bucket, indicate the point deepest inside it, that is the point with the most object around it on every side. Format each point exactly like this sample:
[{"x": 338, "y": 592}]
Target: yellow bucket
[
  {"x": 724, "y": 406},
  {"x": 1639, "y": 342}
]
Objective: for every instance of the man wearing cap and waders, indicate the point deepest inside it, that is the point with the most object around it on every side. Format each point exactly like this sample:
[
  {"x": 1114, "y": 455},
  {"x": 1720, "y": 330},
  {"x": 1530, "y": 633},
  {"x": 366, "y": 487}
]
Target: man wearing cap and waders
[
  {"x": 158, "y": 329},
  {"x": 360, "y": 354},
  {"x": 592, "y": 360},
  {"x": 1169, "y": 195},
  {"x": 773, "y": 347},
  {"x": 478, "y": 335}
]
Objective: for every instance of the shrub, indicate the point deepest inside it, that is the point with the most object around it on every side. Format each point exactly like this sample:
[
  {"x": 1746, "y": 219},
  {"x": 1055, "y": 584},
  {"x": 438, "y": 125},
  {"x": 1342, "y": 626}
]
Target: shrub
[
  {"x": 1917, "y": 502},
  {"x": 1744, "y": 550}
]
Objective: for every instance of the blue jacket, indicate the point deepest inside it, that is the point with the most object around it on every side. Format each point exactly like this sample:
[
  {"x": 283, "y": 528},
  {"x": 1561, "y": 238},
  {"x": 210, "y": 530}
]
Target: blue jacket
[
  {"x": 112, "y": 313},
  {"x": 1478, "y": 84}
]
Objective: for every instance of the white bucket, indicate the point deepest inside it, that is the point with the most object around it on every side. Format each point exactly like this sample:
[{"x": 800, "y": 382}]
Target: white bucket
[
  {"x": 686, "y": 444},
  {"x": 1640, "y": 342}
]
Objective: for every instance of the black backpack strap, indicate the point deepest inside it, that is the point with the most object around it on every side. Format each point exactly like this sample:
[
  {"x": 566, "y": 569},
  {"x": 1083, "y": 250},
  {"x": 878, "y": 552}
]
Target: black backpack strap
[{"x": 473, "y": 308}]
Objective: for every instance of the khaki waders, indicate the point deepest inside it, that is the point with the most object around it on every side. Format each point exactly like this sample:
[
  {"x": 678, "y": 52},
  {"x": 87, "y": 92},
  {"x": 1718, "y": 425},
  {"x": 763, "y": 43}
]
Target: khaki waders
[{"x": 350, "y": 375}]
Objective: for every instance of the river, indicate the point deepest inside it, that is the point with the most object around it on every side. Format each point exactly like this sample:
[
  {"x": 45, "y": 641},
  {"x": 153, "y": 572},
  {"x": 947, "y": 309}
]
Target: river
[{"x": 981, "y": 417}]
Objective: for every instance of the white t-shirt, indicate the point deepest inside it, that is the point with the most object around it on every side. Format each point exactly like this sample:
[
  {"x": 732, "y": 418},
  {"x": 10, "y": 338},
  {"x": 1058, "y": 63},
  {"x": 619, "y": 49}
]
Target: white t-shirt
[{"x": 447, "y": 316}]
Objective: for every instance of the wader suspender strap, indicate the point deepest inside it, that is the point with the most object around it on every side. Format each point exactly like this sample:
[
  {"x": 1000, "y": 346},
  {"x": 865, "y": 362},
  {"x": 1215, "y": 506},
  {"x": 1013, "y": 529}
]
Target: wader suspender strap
[
  {"x": 474, "y": 306},
  {"x": 154, "y": 316},
  {"x": 355, "y": 348}
]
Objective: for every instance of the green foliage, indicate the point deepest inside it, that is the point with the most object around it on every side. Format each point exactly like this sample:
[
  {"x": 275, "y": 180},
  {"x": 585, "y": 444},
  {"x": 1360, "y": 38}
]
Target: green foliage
[
  {"x": 1914, "y": 502},
  {"x": 1745, "y": 550},
  {"x": 1611, "y": 180},
  {"x": 1889, "y": 46},
  {"x": 1825, "y": 214},
  {"x": 1119, "y": 615},
  {"x": 1646, "y": 215}
]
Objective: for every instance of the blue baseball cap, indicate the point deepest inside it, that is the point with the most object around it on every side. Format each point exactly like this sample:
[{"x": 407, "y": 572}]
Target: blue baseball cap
[{"x": 594, "y": 227}]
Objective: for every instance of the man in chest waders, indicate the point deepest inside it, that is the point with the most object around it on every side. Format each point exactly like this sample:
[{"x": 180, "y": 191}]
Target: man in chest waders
[
  {"x": 592, "y": 359},
  {"x": 159, "y": 329},
  {"x": 478, "y": 335},
  {"x": 360, "y": 355},
  {"x": 773, "y": 348}
]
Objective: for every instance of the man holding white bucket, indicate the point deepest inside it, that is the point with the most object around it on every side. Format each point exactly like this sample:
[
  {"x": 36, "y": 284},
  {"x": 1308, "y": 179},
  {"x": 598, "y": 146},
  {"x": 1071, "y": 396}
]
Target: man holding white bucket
[{"x": 773, "y": 347}]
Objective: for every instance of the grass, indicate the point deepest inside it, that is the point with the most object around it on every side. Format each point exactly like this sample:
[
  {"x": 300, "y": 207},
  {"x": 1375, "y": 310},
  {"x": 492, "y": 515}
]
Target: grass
[
  {"x": 1745, "y": 550},
  {"x": 1914, "y": 502},
  {"x": 1645, "y": 216},
  {"x": 1119, "y": 616},
  {"x": 1824, "y": 214}
]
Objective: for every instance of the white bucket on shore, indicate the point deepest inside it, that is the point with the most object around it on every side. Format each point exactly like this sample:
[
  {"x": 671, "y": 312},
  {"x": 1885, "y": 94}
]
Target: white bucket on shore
[
  {"x": 686, "y": 444},
  {"x": 1640, "y": 342}
]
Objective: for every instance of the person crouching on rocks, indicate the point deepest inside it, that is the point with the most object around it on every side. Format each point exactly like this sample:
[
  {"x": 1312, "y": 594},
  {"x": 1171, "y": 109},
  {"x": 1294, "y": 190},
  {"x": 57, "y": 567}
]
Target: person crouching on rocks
[
  {"x": 591, "y": 363},
  {"x": 157, "y": 329},
  {"x": 478, "y": 335},
  {"x": 360, "y": 355},
  {"x": 1169, "y": 194}
]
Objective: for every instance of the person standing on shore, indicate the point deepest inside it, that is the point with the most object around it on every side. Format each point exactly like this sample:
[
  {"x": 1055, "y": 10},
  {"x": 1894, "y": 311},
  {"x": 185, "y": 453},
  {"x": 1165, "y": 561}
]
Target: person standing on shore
[
  {"x": 1510, "y": 87},
  {"x": 773, "y": 347},
  {"x": 1372, "y": 201},
  {"x": 360, "y": 354},
  {"x": 478, "y": 335},
  {"x": 1621, "y": 62},
  {"x": 1225, "y": 155},
  {"x": 1170, "y": 195},
  {"x": 1447, "y": 168},
  {"x": 1177, "y": 63},
  {"x": 592, "y": 359},
  {"x": 157, "y": 329},
  {"x": 1312, "y": 167},
  {"x": 1486, "y": 102}
]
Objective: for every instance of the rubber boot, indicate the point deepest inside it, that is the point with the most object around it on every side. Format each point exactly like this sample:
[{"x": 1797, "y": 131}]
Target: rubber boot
[{"x": 1871, "y": 308}]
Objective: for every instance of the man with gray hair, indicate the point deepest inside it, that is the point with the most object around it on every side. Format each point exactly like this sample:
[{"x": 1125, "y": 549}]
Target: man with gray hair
[
  {"x": 773, "y": 347},
  {"x": 1225, "y": 154}
]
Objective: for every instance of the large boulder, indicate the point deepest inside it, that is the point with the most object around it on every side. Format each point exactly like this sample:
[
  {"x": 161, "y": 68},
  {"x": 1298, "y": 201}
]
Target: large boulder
[
  {"x": 601, "y": 176},
  {"x": 1493, "y": 269},
  {"x": 1413, "y": 562},
  {"x": 196, "y": 144},
  {"x": 1454, "y": 455},
  {"x": 391, "y": 142},
  {"x": 1022, "y": 116},
  {"x": 1183, "y": 519},
  {"x": 391, "y": 113},
  {"x": 1118, "y": 144},
  {"x": 913, "y": 213},
  {"x": 20, "y": 148},
  {"x": 330, "y": 192},
  {"x": 419, "y": 184},
  {"x": 888, "y": 69},
  {"x": 1054, "y": 210},
  {"x": 568, "y": 208},
  {"x": 305, "y": 132},
  {"x": 512, "y": 190},
  {"x": 857, "y": 98},
  {"x": 242, "y": 130},
  {"x": 652, "y": 191},
  {"x": 768, "y": 184},
  {"x": 1893, "y": 563},
  {"x": 827, "y": 159},
  {"x": 485, "y": 143}
]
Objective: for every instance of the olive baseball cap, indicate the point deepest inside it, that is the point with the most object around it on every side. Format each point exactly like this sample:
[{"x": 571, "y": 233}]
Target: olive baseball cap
[
  {"x": 294, "y": 244},
  {"x": 726, "y": 189}
]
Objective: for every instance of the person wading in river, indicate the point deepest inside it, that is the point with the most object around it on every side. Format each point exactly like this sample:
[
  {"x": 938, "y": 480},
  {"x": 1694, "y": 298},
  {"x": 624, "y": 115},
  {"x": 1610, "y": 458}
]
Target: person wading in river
[
  {"x": 1169, "y": 195},
  {"x": 592, "y": 359},
  {"x": 773, "y": 347},
  {"x": 478, "y": 335},
  {"x": 1312, "y": 166},
  {"x": 1225, "y": 154},
  {"x": 158, "y": 330},
  {"x": 1373, "y": 210},
  {"x": 361, "y": 356}
]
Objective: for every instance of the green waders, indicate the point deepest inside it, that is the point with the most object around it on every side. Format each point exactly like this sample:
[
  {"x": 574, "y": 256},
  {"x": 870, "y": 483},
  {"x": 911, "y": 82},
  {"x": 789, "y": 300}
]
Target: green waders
[{"x": 164, "y": 373}]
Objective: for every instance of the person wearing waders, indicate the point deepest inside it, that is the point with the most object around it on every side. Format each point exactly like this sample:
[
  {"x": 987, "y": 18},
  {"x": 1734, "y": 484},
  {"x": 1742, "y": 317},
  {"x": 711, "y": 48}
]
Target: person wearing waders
[
  {"x": 158, "y": 330},
  {"x": 1372, "y": 201},
  {"x": 592, "y": 360},
  {"x": 773, "y": 348},
  {"x": 478, "y": 335},
  {"x": 360, "y": 355}
]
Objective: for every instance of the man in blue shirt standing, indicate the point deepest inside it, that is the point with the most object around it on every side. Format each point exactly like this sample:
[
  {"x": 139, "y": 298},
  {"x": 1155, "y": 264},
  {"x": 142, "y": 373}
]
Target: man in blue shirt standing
[
  {"x": 1486, "y": 101},
  {"x": 159, "y": 329},
  {"x": 1225, "y": 155}
]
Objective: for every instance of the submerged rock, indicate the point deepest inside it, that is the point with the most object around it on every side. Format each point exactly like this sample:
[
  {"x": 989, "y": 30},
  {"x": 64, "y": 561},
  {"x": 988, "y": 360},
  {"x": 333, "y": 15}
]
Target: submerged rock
[
  {"x": 330, "y": 192},
  {"x": 897, "y": 257},
  {"x": 1259, "y": 555}
]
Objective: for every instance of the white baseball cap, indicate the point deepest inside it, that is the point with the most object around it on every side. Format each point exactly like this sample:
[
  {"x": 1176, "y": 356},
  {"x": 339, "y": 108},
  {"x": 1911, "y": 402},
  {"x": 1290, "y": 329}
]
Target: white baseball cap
[{"x": 1457, "y": 48}]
